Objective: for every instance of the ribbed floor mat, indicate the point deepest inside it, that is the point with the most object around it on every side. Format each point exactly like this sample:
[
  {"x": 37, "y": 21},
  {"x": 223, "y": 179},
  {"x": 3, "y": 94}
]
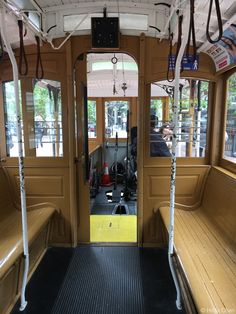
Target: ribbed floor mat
[{"x": 102, "y": 280}]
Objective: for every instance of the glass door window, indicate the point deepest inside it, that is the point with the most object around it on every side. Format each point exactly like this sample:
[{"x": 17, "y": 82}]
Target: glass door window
[
  {"x": 47, "y": 106},
  {"x": 116, "y": 118},
  {"x": 10, "y": 119},
  {"x": 230, "y": 125}
]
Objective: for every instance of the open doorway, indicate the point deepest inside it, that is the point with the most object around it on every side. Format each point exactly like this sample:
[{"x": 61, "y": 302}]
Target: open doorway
[{"x": 112, "y": 80}]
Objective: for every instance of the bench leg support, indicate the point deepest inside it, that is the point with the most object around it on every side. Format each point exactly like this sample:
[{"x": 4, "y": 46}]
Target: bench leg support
[
  {"x": 24, "y": 283},
  {"x": 178, "y": 294}
]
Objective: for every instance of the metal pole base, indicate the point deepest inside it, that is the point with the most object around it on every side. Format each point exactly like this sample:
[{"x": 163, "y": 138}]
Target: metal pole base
[
  {"x": 23, "y": 305},
  {"x": 178, "y": 305}
]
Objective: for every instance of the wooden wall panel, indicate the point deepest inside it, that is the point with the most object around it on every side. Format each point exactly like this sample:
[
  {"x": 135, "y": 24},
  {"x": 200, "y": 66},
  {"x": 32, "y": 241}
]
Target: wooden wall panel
[
  {"x": 151, "y": 56},
  {"x": 48, "y": 185},
  {"x": 42, "y": 186},
  {"x": 189, "y": 183},
  {"x": 160, "y": 185},
  {"x": 157, "y": 60}
]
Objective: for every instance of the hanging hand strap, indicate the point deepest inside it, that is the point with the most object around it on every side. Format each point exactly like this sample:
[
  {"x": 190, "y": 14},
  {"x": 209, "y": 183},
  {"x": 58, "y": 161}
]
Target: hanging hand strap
[
  {"x": 1, "y": 47},
  {"x": 220, "y": 26},
  {"x": 192, "y": 32},
  {"x": 39, "y": 63},
  {"x": 22, "y": 50},
  {"x": 170, "y": 63},
  {"x": 180, "y": 22}
]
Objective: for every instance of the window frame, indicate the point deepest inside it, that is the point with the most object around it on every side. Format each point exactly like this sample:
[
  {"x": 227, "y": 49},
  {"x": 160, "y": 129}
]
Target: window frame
[
  {"x": 163, "y": 161},
  {"x": 223, "y": 162},
  {"x": 34, "y": 160}
]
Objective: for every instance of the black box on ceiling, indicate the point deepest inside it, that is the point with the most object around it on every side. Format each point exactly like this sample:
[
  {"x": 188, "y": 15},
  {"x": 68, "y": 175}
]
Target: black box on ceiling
[{"x": 105, "y": 32}]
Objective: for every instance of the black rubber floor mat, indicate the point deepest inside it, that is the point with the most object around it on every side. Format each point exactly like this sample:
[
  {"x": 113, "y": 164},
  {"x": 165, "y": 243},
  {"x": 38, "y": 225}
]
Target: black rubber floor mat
[
  {"x": 158, "y": 287},
  {"x": 45, "y": 283},
  {"x": 117, "y": 280},
  {"x": 102, "y": 280}
]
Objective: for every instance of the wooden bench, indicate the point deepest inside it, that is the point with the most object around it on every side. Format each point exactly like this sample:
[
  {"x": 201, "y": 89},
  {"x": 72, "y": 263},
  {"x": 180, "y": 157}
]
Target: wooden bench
[
  {"x": 11, "y": 244},
  {"x": 205, "y": 243}
]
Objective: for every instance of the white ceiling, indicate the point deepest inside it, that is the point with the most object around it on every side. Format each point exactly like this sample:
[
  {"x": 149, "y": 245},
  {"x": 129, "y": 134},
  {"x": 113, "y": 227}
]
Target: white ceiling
[
  {"x": 101, "y": 82},
  {"x": 54, "y": 11}
]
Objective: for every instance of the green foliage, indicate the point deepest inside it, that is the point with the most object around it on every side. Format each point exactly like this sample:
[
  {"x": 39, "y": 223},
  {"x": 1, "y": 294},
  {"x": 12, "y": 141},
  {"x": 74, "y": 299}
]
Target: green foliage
[
  {"x": 156, "y": 108},
  {"x": 231, "y": 99},
  {"x": 41, "y": 97},
  {"x": 9, "y": 100},
  {"x": 92, "y": 111}
]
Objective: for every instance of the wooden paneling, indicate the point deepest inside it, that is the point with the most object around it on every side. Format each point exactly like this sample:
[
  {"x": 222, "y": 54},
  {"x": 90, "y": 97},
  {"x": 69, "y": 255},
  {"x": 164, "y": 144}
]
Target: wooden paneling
[
  {"x": 189, "y": 184},
  {"x": 8, "y": 287},
  {"x": 48, "y": 179},
  {"x": 156, "y": 62},
  {"x": 160, "y": 185},
  {"x": 48, "y": 185},
  {"x": 42, "y": 186}
]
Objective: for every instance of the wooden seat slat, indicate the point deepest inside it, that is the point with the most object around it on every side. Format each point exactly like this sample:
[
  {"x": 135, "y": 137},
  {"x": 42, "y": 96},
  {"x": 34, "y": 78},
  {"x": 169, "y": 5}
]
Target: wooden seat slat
[
  {"x": 216, "y": 242},
  {"x": 224, "y": 281},
  {"x": 207, "y": 252},
  {"x": 11, "y": 244},
  {"x": 193, "y": 267},
  {"x": 210, "y": 245}
]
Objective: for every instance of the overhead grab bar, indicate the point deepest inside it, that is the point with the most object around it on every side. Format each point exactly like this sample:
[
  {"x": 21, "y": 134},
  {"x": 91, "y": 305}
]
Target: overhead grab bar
[
  {"x": 20, "y": 159},
  {"x": 173, "y": 156}
]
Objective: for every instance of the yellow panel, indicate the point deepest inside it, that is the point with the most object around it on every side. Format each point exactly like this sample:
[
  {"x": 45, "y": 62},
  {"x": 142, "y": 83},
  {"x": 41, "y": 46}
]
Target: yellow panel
[{"x": 113, "y": 228}]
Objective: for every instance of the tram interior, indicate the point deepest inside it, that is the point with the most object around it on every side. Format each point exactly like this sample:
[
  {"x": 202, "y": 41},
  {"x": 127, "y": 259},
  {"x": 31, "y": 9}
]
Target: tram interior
[{"x": 117, "y": 156}]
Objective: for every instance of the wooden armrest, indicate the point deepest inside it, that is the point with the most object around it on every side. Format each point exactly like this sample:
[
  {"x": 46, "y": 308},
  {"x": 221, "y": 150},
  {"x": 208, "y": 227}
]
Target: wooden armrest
[
  {"x": 178, "y": 205},
  {"x": 43, "y": 205}
]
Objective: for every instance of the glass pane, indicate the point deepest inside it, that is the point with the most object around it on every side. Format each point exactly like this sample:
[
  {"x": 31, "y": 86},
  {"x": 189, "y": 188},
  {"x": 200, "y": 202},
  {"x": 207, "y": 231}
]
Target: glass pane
[
  {"x": 116, "y": 118},
  {"x": 92, "y": 119},
  {"x": 48, "y": 118},
  {"x": 11, "y": 119},
  {"x": 230, "y": 131},
  {"x": 192, "y": 120},
  {"x": 160, "y": 137},
  {"x": 156, "y": 112}
]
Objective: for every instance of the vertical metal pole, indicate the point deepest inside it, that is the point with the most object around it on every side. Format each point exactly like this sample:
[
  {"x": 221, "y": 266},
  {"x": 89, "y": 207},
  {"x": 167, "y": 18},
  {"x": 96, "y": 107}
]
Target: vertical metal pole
[
  {"x": 173, "y": 158},
  {"x": 21, "y": 160}
]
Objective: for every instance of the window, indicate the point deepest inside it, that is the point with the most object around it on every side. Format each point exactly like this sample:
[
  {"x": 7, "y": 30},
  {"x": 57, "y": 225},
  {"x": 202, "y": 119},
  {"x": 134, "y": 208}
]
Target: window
[
  {"x": 116, "y": 118},
  {"x": 41, "y": 118},
  {"x": 156, "y": 111},
  {"x": 230, "y": 126},
  {"x": 47, "y": 110},
  {"x": 192, "y": 119},
  {"x": 10, "y": 119},
  {"x": 92, "y": 119}
]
